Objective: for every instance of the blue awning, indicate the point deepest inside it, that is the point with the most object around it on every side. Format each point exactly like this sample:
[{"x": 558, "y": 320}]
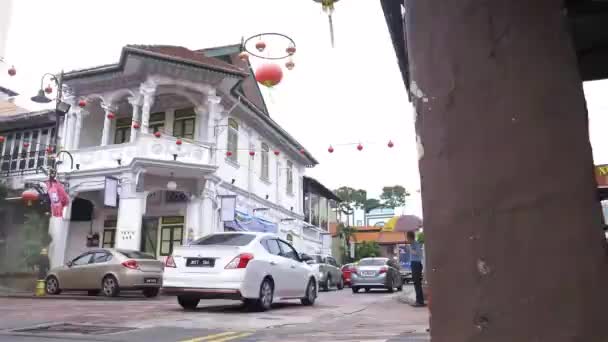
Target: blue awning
[{"x": 246, "y": 222}]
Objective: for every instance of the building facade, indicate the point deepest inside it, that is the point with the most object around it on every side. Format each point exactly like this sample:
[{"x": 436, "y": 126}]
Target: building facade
[{"x": 178, "y": 133}]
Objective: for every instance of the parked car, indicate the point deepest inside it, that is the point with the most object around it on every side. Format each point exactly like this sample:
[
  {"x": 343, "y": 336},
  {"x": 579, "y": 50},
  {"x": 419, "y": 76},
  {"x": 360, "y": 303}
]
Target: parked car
[
  {"x": 108, "y": 271},
  {"x": 406, "y": 272},
  {"x": 371, "y": 273},
  {"x": 328, "y": 272},
  {"x": 257, "y": 268},
  {"x": 347, "y": 271}
]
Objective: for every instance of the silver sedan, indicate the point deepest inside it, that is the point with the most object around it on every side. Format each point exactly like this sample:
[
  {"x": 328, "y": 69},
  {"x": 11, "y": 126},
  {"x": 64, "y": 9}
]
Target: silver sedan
[
  {"x": 376, "y": 273},
  {"x": 108, "y": 271}
]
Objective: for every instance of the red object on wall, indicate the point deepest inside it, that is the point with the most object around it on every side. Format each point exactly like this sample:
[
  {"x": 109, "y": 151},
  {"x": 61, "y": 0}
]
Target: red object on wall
[
  {"x": 49, "y": 149},
  {"x": 228, "y": 154},
  {"x": 2, "y": 139},
  {"x": 26, "y": 145},
  {"x": 302, "y": 151},
  {"x": 111, "y": 116},
  {"x": 178, "y": 142},
  {"x": 277, "y": 152},
  {"x": 58, "y": 197},
  {"x": 158, "y": 134},
  {"x": 48, "y": 89},
  {"x": 136, "y": 125},
  {"x": 12, "y": 71},
  {"x": 269, "y": 74},
  {"x": 82, "y": 103},
  {"x": 252, "y": 153}
]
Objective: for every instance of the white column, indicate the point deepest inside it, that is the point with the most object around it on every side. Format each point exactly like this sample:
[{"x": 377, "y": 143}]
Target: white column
[
  {"x": 253, "y": 145},
  {"x": 135, "y": 103},
  {"x": 107, "y": 126},
  {"x": 58, "y": 230},
  {"x": 194, "y": 211},
  {"x": 213, "y": 113},
  {"x": 130, "y": 214},
  {"x": 208, "y": 224},
  {"x": 201, "y": 131},
  {"x": 148, "y": 101},
  {"x": 75, "y": 144}
]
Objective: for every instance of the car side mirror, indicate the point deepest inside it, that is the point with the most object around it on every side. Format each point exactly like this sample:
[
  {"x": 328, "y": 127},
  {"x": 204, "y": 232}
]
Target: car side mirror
[
  {"x": 69, "y": 264},
  {"x": 305, "y": 257}
]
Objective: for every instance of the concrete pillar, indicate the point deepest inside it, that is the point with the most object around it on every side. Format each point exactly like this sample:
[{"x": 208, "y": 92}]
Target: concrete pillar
[
  {"x": 148, "y": 100},
  {"x": 58, "y": 230},
  {"x": 130, "y": 213},
  {"x": 70, "y": 130},
  {"x": 107, "y": 126},
  {"x": 213, "y": 113},
  {"x": 514, "y": 245},
  {"x": 136, "y": 105},
  {"x": 208, "y": 217},
  {"x": 75, "y": 144},
  {"x": 194, "y": 211}
]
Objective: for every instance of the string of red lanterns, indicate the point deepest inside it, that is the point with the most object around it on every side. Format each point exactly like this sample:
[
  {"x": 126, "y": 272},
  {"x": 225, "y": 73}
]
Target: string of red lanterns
[{"x": 268, "y": 74}]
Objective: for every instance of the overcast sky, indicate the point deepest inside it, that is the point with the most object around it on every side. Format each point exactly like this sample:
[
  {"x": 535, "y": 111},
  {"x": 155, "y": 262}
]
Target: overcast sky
[{"x": 348, "y": 94}]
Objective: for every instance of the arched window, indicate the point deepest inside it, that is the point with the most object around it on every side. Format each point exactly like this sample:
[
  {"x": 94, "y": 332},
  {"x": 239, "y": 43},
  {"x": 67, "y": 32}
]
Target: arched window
[
  {"x": 265, "y": 173},
  {"x": 233, "y": 139}
]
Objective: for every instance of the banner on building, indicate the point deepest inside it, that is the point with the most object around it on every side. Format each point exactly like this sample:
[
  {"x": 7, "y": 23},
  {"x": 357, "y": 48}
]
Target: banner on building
[
  {"x": 246, "y": 222},
  {"x": 228, "y": 208},
  {"x": 110, "y": 195},
  {"x": 58, "y": 197}
]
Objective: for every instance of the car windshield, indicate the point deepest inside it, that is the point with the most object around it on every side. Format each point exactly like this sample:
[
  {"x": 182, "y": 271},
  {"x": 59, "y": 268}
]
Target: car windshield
[
  {"x": 372, "y": 262},
  {"x": 225, "y": 240},
  {"x": 135, "y": 254}
]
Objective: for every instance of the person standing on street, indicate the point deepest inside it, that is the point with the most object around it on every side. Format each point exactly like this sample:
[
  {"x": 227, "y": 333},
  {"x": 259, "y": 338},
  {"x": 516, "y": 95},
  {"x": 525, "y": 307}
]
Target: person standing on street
[{"x": 416, "y": 264}]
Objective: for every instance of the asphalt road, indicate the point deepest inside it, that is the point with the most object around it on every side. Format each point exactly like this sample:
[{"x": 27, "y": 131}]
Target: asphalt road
[{"x": 337, "y": 316}]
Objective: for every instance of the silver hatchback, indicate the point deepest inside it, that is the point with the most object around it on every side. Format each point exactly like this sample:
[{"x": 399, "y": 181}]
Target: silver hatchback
[
  {"x": 108, "y": 271},
  {"x": 376, "y": 273}
]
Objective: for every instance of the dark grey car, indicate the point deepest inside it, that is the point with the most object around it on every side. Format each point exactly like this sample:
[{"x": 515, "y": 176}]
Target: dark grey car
[{"x": 328, "y": 271}]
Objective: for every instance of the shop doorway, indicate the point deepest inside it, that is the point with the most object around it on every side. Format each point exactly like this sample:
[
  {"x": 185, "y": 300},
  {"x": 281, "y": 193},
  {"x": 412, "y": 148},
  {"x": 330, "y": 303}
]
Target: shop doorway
[{"x": 149, "y": 235}]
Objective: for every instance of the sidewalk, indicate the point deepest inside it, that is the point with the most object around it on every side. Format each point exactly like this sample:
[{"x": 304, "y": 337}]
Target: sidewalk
[{"x": 6, "y": 292}]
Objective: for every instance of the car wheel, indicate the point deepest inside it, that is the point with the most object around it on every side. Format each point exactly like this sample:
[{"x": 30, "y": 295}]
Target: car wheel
[
  {"x": 151, "y": 292},
  {"x": 355, "y": 289},
  {"x": 400, "y": 288},
  {"x": 264, "y": 301},
  {"x": 341, "y": 284},
  {"x": 188, "y": 303},
  {"x": 93, "y": 293},
  {"x": 109, "y": 286},
  {"x": 311, "y": 293},
  {"x": 326, "y": 283},
  {"x": 51, "y": 286}
]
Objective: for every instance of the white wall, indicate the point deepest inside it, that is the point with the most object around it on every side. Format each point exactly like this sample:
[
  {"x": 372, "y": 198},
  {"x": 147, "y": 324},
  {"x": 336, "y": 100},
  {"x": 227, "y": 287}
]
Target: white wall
[{"x": 5, "y": 21}]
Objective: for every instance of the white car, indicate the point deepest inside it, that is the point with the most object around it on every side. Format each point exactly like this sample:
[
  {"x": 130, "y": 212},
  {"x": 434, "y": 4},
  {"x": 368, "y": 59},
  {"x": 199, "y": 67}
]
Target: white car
[{"x": 257, "y": 268}]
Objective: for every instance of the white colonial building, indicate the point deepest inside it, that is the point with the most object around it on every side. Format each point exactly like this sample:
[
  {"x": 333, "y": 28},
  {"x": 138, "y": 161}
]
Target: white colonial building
[{"x": 179, "y": 131}]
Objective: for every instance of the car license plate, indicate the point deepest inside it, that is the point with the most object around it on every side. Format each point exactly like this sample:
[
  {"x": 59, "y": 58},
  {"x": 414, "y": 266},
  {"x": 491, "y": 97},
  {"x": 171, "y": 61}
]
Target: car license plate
[
  {"x": 200, "y": 262},
  {"x": 368, "y": 273},
  {"x": 151, "y": 280}
]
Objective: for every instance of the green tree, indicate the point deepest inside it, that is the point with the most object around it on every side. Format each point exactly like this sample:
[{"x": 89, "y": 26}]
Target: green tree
[
  {"x": 367, "y": 249},
  {"x": 351, "y": 199},
  {"x": 371, "y": 204},
  {"x": 393, "y": 196},
  {"x": 346, "y": 233}
]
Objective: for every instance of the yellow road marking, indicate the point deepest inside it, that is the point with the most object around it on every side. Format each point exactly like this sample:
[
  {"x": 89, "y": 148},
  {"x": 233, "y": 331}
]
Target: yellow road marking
[
  {"x": 230, "y": 338},
  {"x": 209, "y": 337}
]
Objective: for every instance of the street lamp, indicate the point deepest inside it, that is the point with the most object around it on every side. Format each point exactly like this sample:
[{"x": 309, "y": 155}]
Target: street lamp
[{"x": 61, "y": 108}]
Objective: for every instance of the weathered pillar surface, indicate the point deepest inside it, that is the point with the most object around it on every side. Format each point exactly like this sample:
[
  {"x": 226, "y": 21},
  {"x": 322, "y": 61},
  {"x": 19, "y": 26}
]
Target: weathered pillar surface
[{"x": 516, "y": 251}]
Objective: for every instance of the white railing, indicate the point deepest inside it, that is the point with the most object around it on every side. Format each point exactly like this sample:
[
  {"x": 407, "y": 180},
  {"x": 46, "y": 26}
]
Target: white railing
[{"x": 146, "y": 146}]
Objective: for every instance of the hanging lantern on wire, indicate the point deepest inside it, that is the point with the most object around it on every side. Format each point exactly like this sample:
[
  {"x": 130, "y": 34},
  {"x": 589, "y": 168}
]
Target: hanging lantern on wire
[
  {"x": 390, "y": 144},
  {"x": 244, "y": 56},
  {"x": 12, "y": 71},
  {"x": 330, "y": 149},
  {"x": 29, "y": 196},
  {"x": 48, "y": 89},
  {"x": 328, "y": 7},
  {"x": 289, "y": 64},
  {"x": 82, "y": 103},
  {"x": 360, "y": 147},
  {"x": 260, "y": 45},
  {"x": 269, "y": 74}
]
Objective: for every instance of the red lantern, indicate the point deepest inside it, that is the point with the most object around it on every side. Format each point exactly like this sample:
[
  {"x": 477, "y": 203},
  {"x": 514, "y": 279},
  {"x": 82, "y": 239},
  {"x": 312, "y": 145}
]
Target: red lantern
[
  {"x": 157, "y": 134},
  {"x": 289, "y": 65},
  {"x": 82, "y": 103},
  {"x": 252, "y": 153},
  {"x": 244, "y": 56},
  {"x": 178, "y": 142},
  {"x": 302, "y": 151},
  {"x": 136, "y": 125},
  {"x": 49, "y": 149},
  {"x": 360, "y": 147},
  {"x": 390, "y": 144},
  {"x": 260, "y": 45},
  {"x": 228, "y": 154},
  {"x": 48, "y": 89},
  {"x": 291, "y": 50},
  {"x": 111, "y": 116},
  {"x": 26, "y": 145},
  {"x": 269, "y": 74},
  {"x": 2, "y": 139},
  {"x": 330, "y": 149},
  {"x": 277, "y": 152},
  {"x": 12, "y": 71},
  {"x": 29, "y": 196}
]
